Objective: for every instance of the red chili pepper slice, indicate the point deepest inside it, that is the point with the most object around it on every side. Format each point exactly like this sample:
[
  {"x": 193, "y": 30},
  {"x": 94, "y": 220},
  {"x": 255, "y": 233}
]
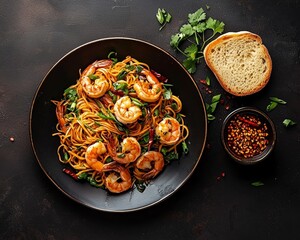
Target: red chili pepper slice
[
  {"x": 253, "y": 124},
  {"x": 70, "y": 173},
  {"x": 151, "y": 138}
]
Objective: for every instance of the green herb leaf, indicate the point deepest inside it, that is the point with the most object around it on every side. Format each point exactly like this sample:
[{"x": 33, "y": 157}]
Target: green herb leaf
[
  {"x": 194, "y": 31},
  {"x": 207, "y": 79},
  {"x": 163, "y": 17},
  {"x": 196, "y": 17},
  {"x": 167, "y": 94},
  {"x": 137, "y": 102},
  {"x": 277, "y": 100},
  {"x": 93, "y": 76},
  {"x": 200, "y": 28},
  {"x": 210, "y": 108},
  {"x": 140, "y": 186},
  {"x": 210, "y": 117},
  {"x": 271, "y": 106},
  {"x": 215, "y": 25},
  {"x": 190, "y": 65},
  {"x": 122, "y": 75},
  {"x": 288, "y": 122},
  {"x": 113, "y": 56},
  {"x": 171, "y": 156},
  {"x": 257, "y": 184},
  {"x": 139, "y": 69},
  {"x": 176, "y": 39},
  {"x": 187, "y": 30},
  {"x": 160, "y": 16},
  {"x": 191, "y": 51},
  {"x": 185, "y": 147},
  {"x": 216, "y": 98}
]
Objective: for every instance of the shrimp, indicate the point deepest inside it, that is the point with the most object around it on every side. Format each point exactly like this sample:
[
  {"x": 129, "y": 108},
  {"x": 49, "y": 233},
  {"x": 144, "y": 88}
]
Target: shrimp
[
  {"x": 149, "y": 165},
  {"x": 120, "y": 182},
  {"x": 60, "y": 109},
  {"x": 93, "y": 154},
  {"x": 131, "y": 150},
  {"x": 126, "y": 111},
  {"x": 150, "y": 90},
  {"x": 168, "y": 131},
  {"x": 100, "y": 85}
]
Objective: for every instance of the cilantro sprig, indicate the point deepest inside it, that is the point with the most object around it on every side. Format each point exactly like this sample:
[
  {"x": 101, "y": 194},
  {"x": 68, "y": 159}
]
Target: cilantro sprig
[
  {"x": 194, "y": 33},
  {"x": 163, "y": 17},
  {"x": 210, "y": 108}
]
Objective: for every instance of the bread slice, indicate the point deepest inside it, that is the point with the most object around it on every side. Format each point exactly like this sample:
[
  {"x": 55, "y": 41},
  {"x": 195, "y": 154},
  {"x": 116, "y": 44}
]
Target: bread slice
[{"x": 240, "y": 62}]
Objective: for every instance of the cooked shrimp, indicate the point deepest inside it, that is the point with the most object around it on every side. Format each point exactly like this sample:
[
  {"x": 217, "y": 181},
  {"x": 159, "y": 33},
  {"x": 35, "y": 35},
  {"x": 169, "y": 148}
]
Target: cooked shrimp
[
  {"x": 149, "y": 165},
  {"x": 150, "y": 90},
  {"x": 120, "y": 182},
  {"x": 93, "y": 154},
  {"x": 100, "y": 85},
  {"x": 126, "y": 111},
  {"x": 168, "y": 131},
  {"x": 131, "y": 150},
  {"x": 60, "y": 110}
]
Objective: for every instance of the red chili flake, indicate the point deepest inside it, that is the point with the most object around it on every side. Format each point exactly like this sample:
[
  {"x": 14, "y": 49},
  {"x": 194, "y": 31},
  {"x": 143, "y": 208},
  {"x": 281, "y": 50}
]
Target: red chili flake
[
  {"x": 208, "y": 146},
  {"x": 70, "y": 173},
  {"x": 11, "y": 139},
  {"x": 151, "y": 137},
  {"x": 118, "y": 92},
  {"x": 160, "y": 77},
  {"x": 221, "y": 176},
  {"x": 227, "y": 106},
  {"x": 203, "y": 81}
]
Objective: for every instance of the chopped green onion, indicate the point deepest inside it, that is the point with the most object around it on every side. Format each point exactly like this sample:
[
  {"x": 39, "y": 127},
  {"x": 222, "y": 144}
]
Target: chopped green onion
[{"x": 185, "y": 147}]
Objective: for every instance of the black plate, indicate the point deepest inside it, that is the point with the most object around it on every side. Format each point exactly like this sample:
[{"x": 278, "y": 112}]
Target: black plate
[{"x": 65, "y": 73}]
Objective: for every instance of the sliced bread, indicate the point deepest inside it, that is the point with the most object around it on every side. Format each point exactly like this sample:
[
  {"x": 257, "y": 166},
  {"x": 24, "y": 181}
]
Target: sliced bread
[{"x": 240, "y": 62}]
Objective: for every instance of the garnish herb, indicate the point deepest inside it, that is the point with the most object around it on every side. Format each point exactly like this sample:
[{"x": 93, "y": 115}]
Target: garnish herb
[
  {"x": 121, "y": 86},
  {"x": 93, "y": 76},
  {"x": 288, "y": 122},
  {"x": 210, "y": 108},
  {"x": 207, "y": 80},
  {"x": 113, "y": 56},
  {"x": 194, "y": 32},
  {"x": 71, "y": 95},
  {"x": 274, "y": 102},
  {"x": 167, "y": 94},
  {"x": 257, "y": 184},
  {"x": 122, "y": 75},
  {"x": 163, "y": 17},
  {"x": 278, "y": 100},
  {"x": 110, "y": 116},
  {"x": 185, "y": 147},
  {"x": 137, "y": 102},
  {"x": 171, "y": 156},
  {"x": 140, "y": 185}
]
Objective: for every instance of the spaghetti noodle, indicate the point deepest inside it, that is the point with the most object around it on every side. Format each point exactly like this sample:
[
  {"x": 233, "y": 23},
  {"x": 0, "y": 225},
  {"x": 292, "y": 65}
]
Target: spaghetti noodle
[{"x": 119, "y": 125}]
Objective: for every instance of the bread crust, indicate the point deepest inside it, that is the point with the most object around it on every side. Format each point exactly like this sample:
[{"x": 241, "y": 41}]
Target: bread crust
[{"x": 234, "y": 36}]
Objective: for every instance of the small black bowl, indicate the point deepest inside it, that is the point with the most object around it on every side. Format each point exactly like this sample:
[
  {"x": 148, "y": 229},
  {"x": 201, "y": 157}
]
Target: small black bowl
[{"x": 248, "y": 135}]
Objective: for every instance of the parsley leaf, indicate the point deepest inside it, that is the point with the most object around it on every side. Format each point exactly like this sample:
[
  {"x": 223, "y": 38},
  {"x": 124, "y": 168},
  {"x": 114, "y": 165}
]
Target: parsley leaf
[
  {"x": 196, "y": 17},
  {"x": 192, "y": 35},
  {"x": 163, "y": 17}
]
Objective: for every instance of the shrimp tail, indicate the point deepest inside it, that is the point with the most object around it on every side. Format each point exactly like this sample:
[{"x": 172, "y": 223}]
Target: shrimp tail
[{"x": 60, "y": 111}]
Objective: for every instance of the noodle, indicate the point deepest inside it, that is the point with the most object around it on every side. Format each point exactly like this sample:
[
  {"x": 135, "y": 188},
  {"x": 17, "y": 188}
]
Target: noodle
[{"x": 84, "y": 120}]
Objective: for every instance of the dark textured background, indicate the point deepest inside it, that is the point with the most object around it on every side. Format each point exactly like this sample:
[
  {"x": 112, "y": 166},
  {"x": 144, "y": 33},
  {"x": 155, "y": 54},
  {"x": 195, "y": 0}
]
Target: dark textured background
[{"x": 35, "y": 34}]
